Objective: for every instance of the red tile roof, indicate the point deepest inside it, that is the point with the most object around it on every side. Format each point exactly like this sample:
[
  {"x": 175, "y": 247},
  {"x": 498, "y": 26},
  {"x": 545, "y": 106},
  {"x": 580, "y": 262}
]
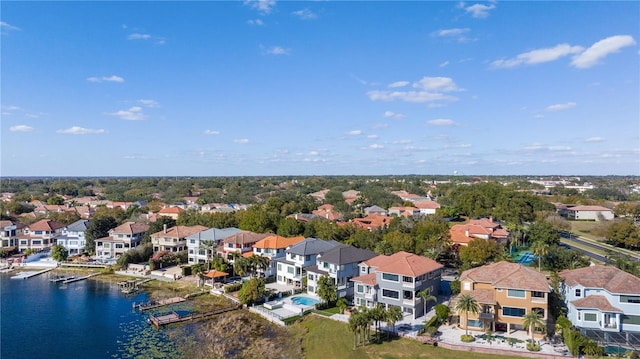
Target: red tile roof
[
  {"x": 245, "y": 237},
  {"x": 277, "y": 242},
  {"x": 179, "y": 231},
  {"x": 408, "y": 264},
  {"x": 131, "y": 228},
  {"x": 46, "y": 225},
  {"x": 509, "y": 276},
  {"x": 369, "y": 279},
  {"x": 171, "y": 210}
]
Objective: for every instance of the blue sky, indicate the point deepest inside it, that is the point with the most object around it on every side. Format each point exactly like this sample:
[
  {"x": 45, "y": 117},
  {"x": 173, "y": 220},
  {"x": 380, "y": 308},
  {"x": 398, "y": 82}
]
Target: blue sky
[{"x": 319, "y": 88}]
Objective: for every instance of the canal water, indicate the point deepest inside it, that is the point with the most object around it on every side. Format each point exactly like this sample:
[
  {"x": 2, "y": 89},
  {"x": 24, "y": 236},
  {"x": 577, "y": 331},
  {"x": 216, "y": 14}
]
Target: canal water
[{"x": 86, "y": 319}]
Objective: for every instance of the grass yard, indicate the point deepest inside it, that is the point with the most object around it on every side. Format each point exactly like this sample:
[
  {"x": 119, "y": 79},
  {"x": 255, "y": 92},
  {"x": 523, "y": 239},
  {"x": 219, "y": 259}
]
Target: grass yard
[
  {"x": 586, "y": 229},
  {"x": 328, "y": 312},
  {"x": 326, "y": 338}
]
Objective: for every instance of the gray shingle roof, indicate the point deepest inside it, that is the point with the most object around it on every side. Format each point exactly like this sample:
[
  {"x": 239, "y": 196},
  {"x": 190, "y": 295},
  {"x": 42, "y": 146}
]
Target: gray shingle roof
[
  {"x": 312, "y": 246},
  {"x": 217, "y": 234},
  {"x": 78, "y": 226},
  {"x": 344, "y": 254}
]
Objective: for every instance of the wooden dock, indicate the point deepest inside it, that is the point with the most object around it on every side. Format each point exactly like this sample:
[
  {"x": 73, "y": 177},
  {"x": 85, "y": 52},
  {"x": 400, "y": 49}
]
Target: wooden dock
[
  {"x": 77, "y": 279},
  {"x": 160, "y": 303},
  {"x": 27, "y": 275},
  {"x": 173, "y": 317},
  {"x": 61, "y": 279}
]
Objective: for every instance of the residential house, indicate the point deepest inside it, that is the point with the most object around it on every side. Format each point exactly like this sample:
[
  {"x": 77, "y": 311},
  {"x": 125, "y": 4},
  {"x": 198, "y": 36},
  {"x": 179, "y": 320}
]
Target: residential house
[
  {"x": 397, "y": 280},
  {"x": 202, "y": 246},
  {"x": 372, "y": 222},
  {"x": 427, "y": 207},
  {"x": 505, "y": 292},
  {"x": 350, "y": 196},
  {"x": 340, "y": 264},
  {"x": 319, "y": 196},
  {"x": 45, "y": 209},
  {"x": 172, "y": 212},
  {"x": 174, "y": 239},
  {"x": 305, "y": 217},
  {"x": 603, "y": 302},
  {"x": 40, "y": 235},
  {"x": 404, "y": 211},
  {"x": 241, "y": 242},
  {"x": 9, "y": 236},
  {"x": 484, "y": 228},
  {"x": 327, "y": 211},
  {"x": 291, "y": 269},
  {"x": 217, "y": 208},
  {"x": 273, "y": 247},
  {"x": 122, "y": 205},
  {"x": 72, "y": 237},
  {"x": 121, "y": 239},
  {"x": 589, "y": 213},
  {"x": 375, "y": 210}
]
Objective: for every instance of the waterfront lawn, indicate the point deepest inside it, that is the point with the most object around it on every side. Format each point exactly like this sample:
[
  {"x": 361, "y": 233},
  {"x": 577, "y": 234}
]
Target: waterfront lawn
[
  {"x": 329, "y": 311},
  {"x": 327, "y": 338}
]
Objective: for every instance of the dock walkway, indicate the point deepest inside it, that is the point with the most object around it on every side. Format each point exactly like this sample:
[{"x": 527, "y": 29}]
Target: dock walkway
[
  {"x": 160, "y": 303},
  {"x": 77, "y": 279},
  {"x": 27, "y": 275},
  {"x": 173, "y": 317}
]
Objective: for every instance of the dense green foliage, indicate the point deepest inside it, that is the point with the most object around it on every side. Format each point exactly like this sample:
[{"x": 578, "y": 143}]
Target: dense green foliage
[
  {"x": 59, "y": 253},
  {"x": 98, "y": 228}
]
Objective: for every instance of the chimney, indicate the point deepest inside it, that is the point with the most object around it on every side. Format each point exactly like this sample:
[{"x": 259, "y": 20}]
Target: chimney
[
  {"x": 164, "y": 228},
  {"x": 466, "y": 232}
]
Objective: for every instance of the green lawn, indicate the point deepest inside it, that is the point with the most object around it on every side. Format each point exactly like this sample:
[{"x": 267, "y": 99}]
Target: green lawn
[
  {"x": 585, "y": 229},
  {"x": 329, "y": 311},
  {"x": 326, "y": 338}
]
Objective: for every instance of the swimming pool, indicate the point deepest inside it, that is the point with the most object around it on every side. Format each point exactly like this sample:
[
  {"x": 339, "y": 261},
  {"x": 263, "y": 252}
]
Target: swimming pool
[
  {"x": 526, "y": 258},
  {"x": 304, "y": 301}
]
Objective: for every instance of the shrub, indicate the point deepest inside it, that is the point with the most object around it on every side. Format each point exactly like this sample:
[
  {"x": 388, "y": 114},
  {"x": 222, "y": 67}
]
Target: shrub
[
  {"x": 232, "y": 287},
  {"x": 466, "y": 338},
  {"x": 533, "y": 347},
  {"x": 455, "y": 286}
]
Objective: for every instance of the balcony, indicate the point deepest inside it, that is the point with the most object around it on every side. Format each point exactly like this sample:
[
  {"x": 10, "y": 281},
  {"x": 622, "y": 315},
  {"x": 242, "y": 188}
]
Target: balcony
[{"x": 487, "y": 316}]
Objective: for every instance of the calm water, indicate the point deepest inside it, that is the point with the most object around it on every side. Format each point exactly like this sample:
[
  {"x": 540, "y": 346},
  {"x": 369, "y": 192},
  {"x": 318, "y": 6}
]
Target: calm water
[{"x": 87, "y": 319}]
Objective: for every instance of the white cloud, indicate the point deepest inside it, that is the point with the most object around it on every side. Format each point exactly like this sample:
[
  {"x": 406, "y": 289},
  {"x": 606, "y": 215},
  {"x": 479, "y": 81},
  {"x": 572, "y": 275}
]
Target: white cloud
[
  {"x": 399, "y": 84},
  {"x": 112, "y": 78},
  {"x": 374, "y": 146},
  {"x": 305, "y": 14},
  {"x": 409, "y": 96},
  {"x": 354, "y": 133},
  {"x": 278, "y": 50},
  {"x": 601, "y": 49},
  {"x": 538, "y": 56},
  {"x": 444, "y": 64},
  {"x": 256, "y": 22},
  {"x": 77, "y": 130},
  {"x": 138, "y": 36},
  {"x": 391, "y": 114},
  {"x": 543, "y": 147},
  {"x": 380, "y": 125},
  {"x": 595, "y": 139},
  {"x": 132, "y": 114},
  {"x": 451, "y": 32},
  {"x": 148, "y": 103},
  {"x": 373, "y": 137},
  {"x": 403, "y": 142},
  {"x": 241, "y": 141},
  {"x": 263, "y": 6},
  {"x": 443, "y": 84},
  {"x": 478, "y": 10},
  {"x": 21, "y": 128},
  {"x": 561, "y": 106},
  {"x": 441, "y": 122},
  {"x": 5, "y": 27},
  {"x": 211, "y": 132},
  {"x": 313, "y": 153}
]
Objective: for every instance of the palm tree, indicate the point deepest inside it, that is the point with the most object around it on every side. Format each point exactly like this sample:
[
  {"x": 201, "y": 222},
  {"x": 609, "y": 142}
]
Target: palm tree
[
  {"x": 467, "y": 303},
  {"x": 378, "y": 315},
  {"x": 198, "y": 270},
  {"x": 427, "y": 297},
  {"x": 532, "y": 320},
  {"x": 354, "y": 326},
  {"x": 540, "y": 249},
  {"x": 393, "y": 315},
  {"x": 209, "y": 248},
  {"x": 366, "y": 319},
  {"x": 261, "y": 263}
]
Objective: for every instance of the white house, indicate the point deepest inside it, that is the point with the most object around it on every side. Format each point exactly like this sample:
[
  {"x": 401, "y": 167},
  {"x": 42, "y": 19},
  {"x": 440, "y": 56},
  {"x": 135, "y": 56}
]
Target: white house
[
  {"x": 291, "y": 269},
  {"x": 202, "y": 246},
  {"x": 589, "y": 213},
  {"x": 72, "y": 237}
]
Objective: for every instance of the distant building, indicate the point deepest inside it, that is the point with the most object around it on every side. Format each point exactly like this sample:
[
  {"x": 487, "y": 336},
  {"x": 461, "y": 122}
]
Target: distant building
[
  {"x": 484, "y": 228},
  {"x": 589, "y": 213}
]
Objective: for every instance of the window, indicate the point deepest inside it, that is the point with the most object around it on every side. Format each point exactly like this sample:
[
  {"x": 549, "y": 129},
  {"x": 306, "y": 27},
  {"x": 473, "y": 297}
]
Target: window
[
  {"x": 360, "y": 288},
  {"x": 474, "y": 323},
  {"x": 290, "y": 269},
  {"x": 390, "y": 277},
  {"x": 535, "y": 294},
  {"x": 540, "y": 311},
  {"x": 325, "y": 265},
  {"x": 279, "y": 278},
  {"x": 630, "y": 319},
  {"x": 118, "y": 245},
  {"x": 38, "y": 232},
  {"x": 629, "y": 299},
  {"x": 307, "y": 258},
  {"x": 515, "y": 293},
  {"x": 279, "y": 266},
  {"x": 513, "y": 312},
  {"x": 390, "y": 294},
  {"x": 192, "y": 241},
  {"x": 407, "y": 279},
  {"x": 293, "y": 256},
  {"x": 310, "y": 289},
  {"x": 363, "y": 269},
  {"x": 578, "y": 292},
  {"x": 310, "y": 277},
  {"x": 407, "y": 294},
  {"x": 466, "y": 285},
  {"x": 590, "y": 317}
]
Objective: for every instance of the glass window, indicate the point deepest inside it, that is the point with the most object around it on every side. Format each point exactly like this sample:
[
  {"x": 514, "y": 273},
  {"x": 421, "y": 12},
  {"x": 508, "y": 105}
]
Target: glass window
[
  {"x": 474, "y": 323},
  {"x": 513, "y": 312},
  {"x": 578, "y": 292},
  {"x": 279, "y": 266},
  {"x": 515, "y": 293},
  {"x": 407, "y": 294},
  {"x": 407, "y": 279},
  {"x": 310, "y": 289},
  {"x": 629, "y": 299},
  {"x": 590, "y": 317},
  {"x": 390, "y": 293},
  {"x": 630, "y": 319},
  {"x": 535, "y": 294},
  {"x": 360, "y": 288},
  {"x": 290, "y": 269},
  {"x": 390, "y": 277}
]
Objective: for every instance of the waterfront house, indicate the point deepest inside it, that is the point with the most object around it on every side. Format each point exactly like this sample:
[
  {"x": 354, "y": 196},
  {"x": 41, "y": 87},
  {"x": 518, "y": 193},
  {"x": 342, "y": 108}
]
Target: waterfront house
[
  {"x": 340, "y": 264},
  {"x": 483, "y": 228},
  {"x": 173, "y": 239},
  {"x": 72, "y": 237},
  {"x": 40, "y": 235},
  {"x": 291, "y": 268},
  {"x": 396, "y": 280},
  {"x": 202, "y": 246},
  {"x": 9, "y": 236},
  {"x": 241, "y": 243},
  {"x": 273, "y": 247},
  {"x": 121, "y": 239},
  {"x": 603, "y": 302},
  {"x": 505, "y": 292}
]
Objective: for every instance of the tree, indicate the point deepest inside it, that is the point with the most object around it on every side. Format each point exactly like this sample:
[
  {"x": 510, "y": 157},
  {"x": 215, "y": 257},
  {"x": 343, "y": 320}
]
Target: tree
[
  {"x": 392, "y": 316},
  {"x": 354, "y": 326},
  {"x": 480, "y": 251},
  {"x": 55, "y": 200},
  {"x": 98, "y": 228},
  {"x": 442, "y": 312},
  {"x": 209, "y": 248},
  {"x": 543, "y": 231},
  {"x": 326, "y": 289},
  {"x": 400, "y": 241},
  {"x": 198, "y": 270},
  {"x": 342, "y": 304},
  {"x": 625, "y": 234},
  {"x": 426, "y": 296},
  {"x": 532, "y": 320},
  {"x": 290, "y": 227},
  {"x": 467, "y": 303},
  {"x": 251, "y": 291},
  {"x": 59, "y": 253},
  {"x": 540, "y": 249}
]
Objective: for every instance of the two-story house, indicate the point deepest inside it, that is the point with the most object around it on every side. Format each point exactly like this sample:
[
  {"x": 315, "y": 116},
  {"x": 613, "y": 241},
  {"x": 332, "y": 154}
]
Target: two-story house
[
  {"x": 483, "y": 228},
  {"x": 240, "y": 243},
  {"x": 396, "y": 280},
  {"x": 340, "y": 264},
  {"x": 40, "y": 235},
  {"x": 72, "y": 237},
  {"x": 291, "y": 269},
  {"x": 9, "y": 236},
  {"x": 202, "y": 246},
  {"x": 121, "y": 239},
  {"x": 174, "y": 239},
  {"x": 504, "y": 292},
  {"x": 273, "y": 247},
  {"x": 604, "y": 302}
]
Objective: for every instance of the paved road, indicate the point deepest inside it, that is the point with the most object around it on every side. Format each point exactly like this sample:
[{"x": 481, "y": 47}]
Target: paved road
[
  {"x": 586, "y": 253},
  {"x": 577, "y": 240}
]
